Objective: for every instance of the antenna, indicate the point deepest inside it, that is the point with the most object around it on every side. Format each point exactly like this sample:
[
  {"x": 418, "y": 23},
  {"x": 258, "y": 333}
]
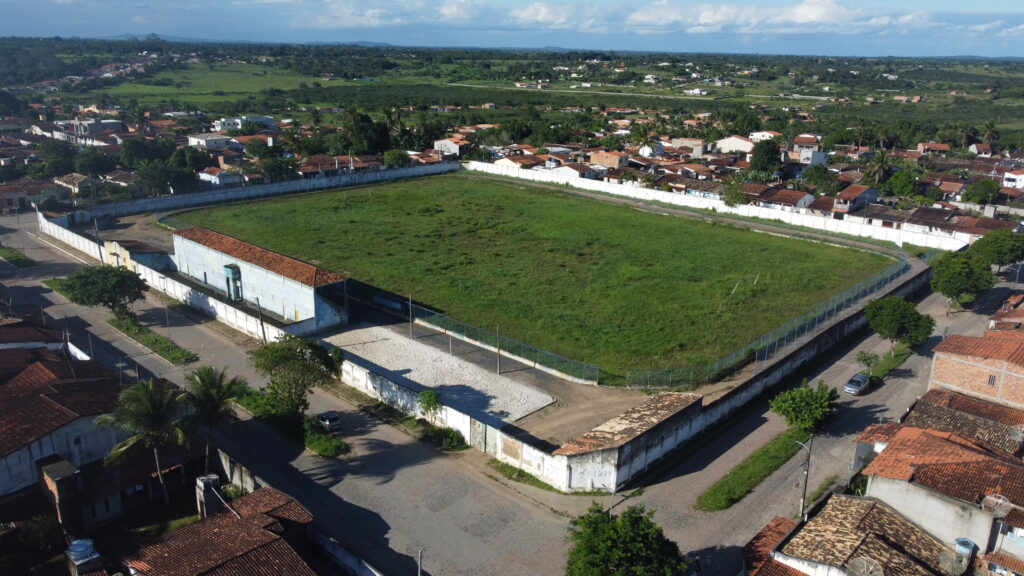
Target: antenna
[
  {"x": 997, "y": 505},
  {"x": 952, "y": 563},
  {"x": 864, "y": 566}
]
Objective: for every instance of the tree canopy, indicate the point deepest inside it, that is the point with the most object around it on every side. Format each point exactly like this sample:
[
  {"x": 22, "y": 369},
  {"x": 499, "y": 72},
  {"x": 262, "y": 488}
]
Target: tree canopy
[
  {"x": 805, "y": 407},
  {"x": 765, "y": 156},
  {"x": 294, "y": 366},
  {"x": 114, "y": 288},
  {"x": 998, "y": 248},
  {"x": 981, "y": 192},
  {"x": 629, "y": 544},
  {"x": 956, "y": 275},
  {"x": 897, "y": 320}
]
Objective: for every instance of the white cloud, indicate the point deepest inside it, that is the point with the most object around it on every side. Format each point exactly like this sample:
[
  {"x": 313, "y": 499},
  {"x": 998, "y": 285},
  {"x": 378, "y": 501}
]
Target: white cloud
[{"x": 545, "y": 15}]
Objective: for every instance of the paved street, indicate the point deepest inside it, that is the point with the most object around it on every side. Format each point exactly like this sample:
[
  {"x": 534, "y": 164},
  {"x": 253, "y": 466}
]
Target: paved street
[{"x": 398, "y": 496}]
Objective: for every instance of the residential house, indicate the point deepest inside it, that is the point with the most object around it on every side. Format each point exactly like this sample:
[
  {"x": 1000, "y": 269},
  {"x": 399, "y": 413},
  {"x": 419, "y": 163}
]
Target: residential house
[
  {"x": 1014, "y": 179},
  {"x": 264, "y": 533},
  {"x": 305, "y": 297},
  {"x": 824, "y": 206},
  {"x": 855, "y": 197},
  {"x": 577, "y": 170},
  {"x": 735, "y": 143},
  {"x": 846, "y": 530},
  {"x": 932, "y": 148},
  {"x": 987, "y": 367},
  {"x": 809, "y": 142},
  {"x": 651, "y": 149},
  {"x": 757, "y": 553},
  {"x": 239, "y": 122},
  {"x": 454, "y": 146},
  {"x": 697, "y": 145},
  {"x": 75, "y": 182},
  {"x": 984, "y": 422},
  {"x": 980, "y": 150},
  {"x": 219, "y": 176},
  {"x": 783, "y": 199},
  {"x": 764, "y": 135},
  {"x": 609, "y": 158},
  {"x": 880, "y": 215},
  {"x": 956, "y": 488},
  {"x": 525, "y": 161},
  {"x": 211, "y": 140}
]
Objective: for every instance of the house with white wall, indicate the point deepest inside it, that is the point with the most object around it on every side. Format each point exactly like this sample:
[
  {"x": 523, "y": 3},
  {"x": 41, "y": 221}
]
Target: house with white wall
[
  {"x": 1014, "y": 179},
  {"x": 735, "y": 143},
  {"x": 211, "y": 141},
  {"x": 306, "y": 298}
]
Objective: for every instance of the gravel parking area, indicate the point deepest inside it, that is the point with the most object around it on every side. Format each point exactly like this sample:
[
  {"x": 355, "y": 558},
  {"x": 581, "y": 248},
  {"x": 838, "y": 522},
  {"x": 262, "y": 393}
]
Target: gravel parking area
[{"x": 466, "y": 387}]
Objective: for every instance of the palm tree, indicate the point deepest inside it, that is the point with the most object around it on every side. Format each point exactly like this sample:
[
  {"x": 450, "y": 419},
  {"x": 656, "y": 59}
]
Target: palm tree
[
  {"x": 877, "y": 168},
  {"x": 210, "y": 394},
  {"x": 150, "y": 413},
  {"x": 988, "y": 133}
]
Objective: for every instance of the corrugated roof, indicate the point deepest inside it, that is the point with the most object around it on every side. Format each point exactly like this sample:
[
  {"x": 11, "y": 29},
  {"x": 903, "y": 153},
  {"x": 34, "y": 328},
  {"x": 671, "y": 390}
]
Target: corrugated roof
[
  {"x": 630, "y": 424},
  {"x": 286, "y": 266}
]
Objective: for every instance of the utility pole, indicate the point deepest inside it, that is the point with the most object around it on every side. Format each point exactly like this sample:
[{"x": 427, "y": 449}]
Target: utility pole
[
  {"x": 259, "y": 311},
  {"x": 411, "y": 316},
  {"x": 807, "y": 470},
  {"x": 497, "y": 332}
]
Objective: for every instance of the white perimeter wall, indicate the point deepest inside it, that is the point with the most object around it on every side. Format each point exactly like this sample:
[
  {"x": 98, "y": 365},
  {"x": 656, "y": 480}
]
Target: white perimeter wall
[{"x": 933, "y": 240}]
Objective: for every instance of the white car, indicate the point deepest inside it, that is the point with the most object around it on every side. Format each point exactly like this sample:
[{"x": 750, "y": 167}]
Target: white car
[{"x": 329, "y": 420}]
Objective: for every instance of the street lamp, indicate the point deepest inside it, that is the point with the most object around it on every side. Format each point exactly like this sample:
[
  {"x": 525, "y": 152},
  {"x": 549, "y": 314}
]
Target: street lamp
[{"x": 807, "y": 470}]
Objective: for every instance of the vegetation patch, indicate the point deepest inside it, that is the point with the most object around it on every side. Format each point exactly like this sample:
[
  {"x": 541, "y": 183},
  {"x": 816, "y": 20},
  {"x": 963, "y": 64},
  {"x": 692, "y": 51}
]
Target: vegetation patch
[
  {"x": 305, "y": 430},
  {"x": 16, "y": 257},
  {"x": 516, "y": 475},
  {"x": 596, "y": 282},
  {"x": 158, "y": 344},
  {"x": 890, "y": 361},
  {"x": 747, "y": 475}
]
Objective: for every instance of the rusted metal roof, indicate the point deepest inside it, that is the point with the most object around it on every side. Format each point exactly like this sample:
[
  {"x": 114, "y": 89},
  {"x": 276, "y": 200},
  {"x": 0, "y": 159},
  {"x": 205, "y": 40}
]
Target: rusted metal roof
[{"x": 630, "y": 424}]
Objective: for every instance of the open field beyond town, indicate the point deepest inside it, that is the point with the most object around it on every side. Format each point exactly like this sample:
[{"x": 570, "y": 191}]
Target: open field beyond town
[{"x": 595, "y": 282}]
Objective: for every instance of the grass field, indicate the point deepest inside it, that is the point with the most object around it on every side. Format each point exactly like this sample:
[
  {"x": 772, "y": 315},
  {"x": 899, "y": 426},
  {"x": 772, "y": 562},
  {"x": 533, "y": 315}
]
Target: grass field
[
  {"x": 596, "y": 282},
  {"x": 203, "y": 84}
]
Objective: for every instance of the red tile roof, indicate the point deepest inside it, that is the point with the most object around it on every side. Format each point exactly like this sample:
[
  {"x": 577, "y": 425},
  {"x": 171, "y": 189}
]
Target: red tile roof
[
  {"x": 759, "y": 549},
  {"x": 851, "y": 192},
  {"x": 286, "y": 266},
  {"x": 223, "y": 544},
  {"x": 910, "y": 448},
  {"x": 776, "y": 568},
  {"x": 993, "y": 348},
  {"x": 46, "y": 392}
]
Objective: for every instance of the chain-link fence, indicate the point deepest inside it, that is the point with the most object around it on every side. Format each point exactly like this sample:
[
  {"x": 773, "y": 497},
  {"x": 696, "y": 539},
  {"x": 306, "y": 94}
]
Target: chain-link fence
[
  {"x": 771, "y": 343},
  {"x": 507, "y": 345}
]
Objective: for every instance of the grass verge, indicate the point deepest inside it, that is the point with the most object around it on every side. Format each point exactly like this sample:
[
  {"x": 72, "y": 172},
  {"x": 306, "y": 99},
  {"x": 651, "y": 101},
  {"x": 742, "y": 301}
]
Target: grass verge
[
  {"x": 156, "y": 343},
  {"x": 516, "y": 475},
  {"x": 821, "y": 489},
  {"x": 16, "y": 258},
  {"x": 306, "y": 430},
  {"x": 890, "y": 361},
  {"x": 160, "y": 345},
  {"x": 747, "y": 475}
]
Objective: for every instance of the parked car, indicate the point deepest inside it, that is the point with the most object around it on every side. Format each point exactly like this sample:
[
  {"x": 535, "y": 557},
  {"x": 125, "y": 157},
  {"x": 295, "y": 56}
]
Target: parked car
[
  {"x": 329, "y": 420},
  {"x": 857, "y": 385}
]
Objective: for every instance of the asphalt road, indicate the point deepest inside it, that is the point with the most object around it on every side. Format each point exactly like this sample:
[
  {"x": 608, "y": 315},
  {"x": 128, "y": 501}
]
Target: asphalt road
[{"x": 393, "y": 497}]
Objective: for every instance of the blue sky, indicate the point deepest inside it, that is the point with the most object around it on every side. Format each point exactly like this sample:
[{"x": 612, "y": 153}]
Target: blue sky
[{"x": 829, "y": 27}]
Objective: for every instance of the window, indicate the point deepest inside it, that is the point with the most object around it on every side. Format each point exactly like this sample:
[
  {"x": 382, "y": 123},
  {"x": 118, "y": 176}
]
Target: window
[
  {"x": 78, "y": 441},
  {"x": 992, "y": 380}
]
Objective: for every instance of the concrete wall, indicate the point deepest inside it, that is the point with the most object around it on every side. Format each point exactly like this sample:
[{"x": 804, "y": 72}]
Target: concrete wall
[
  {"x": 288, "y": 299},
  {"x": 989, "y": 378},
  {"x": 18, "y": 469},
  {"x": 224, "y": 196},
  {"x": 234, "y": 473},
  {"x": 945, "y": 518},
  {"x": 797, "y": 218},
  {"x": 80, "y": 243}
]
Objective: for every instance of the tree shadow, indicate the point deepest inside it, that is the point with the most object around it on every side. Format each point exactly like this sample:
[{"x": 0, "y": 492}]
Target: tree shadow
[
  {"x": 307, "y": 478},
  {"x": 851, "y": 418},
  {"x": 716, "y": 561}
]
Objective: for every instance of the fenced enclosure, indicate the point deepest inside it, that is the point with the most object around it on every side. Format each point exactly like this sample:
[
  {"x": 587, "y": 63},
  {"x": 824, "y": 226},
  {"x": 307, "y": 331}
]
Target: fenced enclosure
[
  {"x": 404, "y": 308},
  {"x": 771, "y": 343}
]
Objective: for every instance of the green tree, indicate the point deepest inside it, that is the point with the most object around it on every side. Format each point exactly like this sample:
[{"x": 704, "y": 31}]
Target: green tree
[
  {"x": 91, "y": 161},
  {"x": 868, "y": 360},
  {"x": 902, "y": 183},
  {"x": 629, "y": 544},
  {"x": 294, "y": 365},
  {"x": 276, "y": 169},
  {"x": 114, "y": 288},
  {"x": 805, "y": 407},
  {"x": 733, "y": 194},
  {"x": 998, "y": 248},
  {"x": 956, "y": 275},
  {"x": 430, "y": 404},
  {"x": 396, "y": 159},
  {"x": 824, "y": 180},
  {"x": 896, "y": 320},
  {"x": 188, "y": 157},
  {"x": 150, "y": 413},
  {"x": 988, "y": 133},
  {"x": 981, "y": 192},
  {"x": 211, "y": 394},
  {"x": 765, "y": 156}
]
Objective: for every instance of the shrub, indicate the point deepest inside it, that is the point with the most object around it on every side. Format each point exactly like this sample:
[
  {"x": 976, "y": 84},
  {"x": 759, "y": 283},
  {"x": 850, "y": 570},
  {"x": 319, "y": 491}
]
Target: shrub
[
  {"x": 320, "y": 441},
  {"x": 805, "y": 407},
  {"x": 232, "y": 491}
]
